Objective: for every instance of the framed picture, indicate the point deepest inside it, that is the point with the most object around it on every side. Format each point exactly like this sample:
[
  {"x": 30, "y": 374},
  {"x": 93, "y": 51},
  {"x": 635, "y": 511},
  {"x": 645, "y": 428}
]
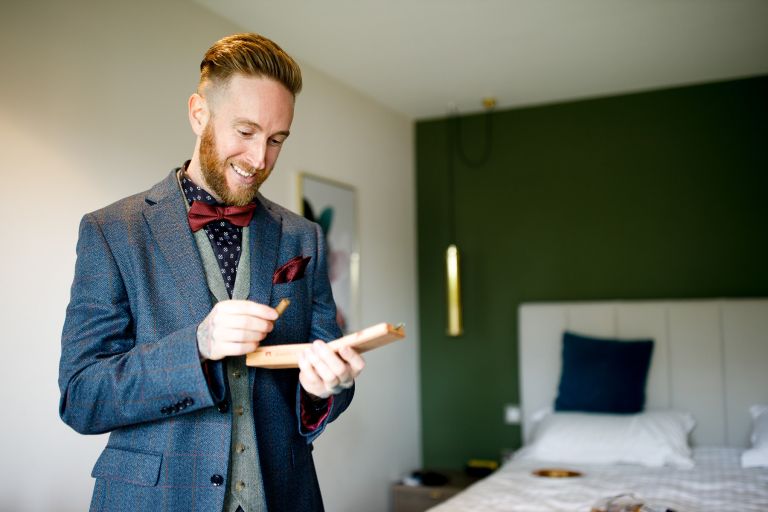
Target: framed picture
[{"x": 333, "y": 205}]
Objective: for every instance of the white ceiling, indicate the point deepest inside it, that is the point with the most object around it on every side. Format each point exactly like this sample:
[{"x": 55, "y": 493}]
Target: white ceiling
[{"x": 426, "y": 58}]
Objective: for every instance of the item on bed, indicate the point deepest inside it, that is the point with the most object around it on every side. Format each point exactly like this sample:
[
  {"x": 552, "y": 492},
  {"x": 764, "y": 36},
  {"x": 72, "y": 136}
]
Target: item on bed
[
  {"x": 603, "y": 375},
  {"x": 652, "y": 438},
  {"x": 556, "y": 473},
  {"x": 757, "y": 455},
  {"x": 619, "y": 503}
]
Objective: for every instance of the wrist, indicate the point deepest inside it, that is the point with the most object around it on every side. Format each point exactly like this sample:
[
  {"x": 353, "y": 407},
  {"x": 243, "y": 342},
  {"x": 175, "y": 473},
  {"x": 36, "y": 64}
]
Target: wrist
[
  {"x": 314, "y": 399},
  {"x": 202, "y": 342}
]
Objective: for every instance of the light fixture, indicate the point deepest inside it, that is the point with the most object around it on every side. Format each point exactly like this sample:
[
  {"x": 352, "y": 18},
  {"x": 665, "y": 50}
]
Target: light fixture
[
  {"x": 452, "y": 262},
  {"x": 455, "y": 326}
]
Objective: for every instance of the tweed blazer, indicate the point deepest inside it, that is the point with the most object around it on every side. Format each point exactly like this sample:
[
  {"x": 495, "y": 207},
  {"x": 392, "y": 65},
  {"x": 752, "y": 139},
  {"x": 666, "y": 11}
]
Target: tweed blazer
[{"x": 130, "y": 366}]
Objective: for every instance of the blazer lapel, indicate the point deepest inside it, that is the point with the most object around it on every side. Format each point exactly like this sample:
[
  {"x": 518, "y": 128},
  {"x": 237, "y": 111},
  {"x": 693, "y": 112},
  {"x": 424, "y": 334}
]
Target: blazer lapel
[
  {"x": 265, "y": 230},
  {"x": 167, "y": 219}
]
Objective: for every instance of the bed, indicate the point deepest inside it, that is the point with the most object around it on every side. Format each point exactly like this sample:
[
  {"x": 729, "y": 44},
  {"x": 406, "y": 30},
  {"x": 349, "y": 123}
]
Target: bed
[{"x": 699, "y": 441}]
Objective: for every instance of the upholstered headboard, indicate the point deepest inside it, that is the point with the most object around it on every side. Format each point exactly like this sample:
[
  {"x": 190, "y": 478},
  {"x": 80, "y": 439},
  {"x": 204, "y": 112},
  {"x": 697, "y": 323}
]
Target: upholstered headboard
[{"x": 710, "y": 356}]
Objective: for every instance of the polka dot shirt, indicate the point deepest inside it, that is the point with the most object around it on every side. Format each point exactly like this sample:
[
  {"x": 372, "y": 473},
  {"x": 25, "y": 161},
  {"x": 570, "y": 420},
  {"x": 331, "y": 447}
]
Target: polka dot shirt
[{"x": 224, "y": 236}]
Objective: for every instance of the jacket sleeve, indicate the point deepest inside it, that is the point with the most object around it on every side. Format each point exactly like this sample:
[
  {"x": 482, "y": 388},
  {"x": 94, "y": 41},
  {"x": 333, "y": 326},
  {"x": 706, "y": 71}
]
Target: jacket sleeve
[
  {"x": 324, "y": 327},
  {"x": 108, "y": 380}
]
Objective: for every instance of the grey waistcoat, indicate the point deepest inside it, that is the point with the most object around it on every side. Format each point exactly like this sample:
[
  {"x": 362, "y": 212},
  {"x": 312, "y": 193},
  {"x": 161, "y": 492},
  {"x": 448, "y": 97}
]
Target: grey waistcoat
[{"x": 245, "y": 487}]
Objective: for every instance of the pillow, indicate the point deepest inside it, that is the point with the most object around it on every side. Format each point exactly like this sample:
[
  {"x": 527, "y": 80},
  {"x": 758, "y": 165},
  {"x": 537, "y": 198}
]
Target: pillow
[
  {"x": 603, "y": 375},
  {"x": 652, "y": 438},
  {"x": 758, "y": 454}
]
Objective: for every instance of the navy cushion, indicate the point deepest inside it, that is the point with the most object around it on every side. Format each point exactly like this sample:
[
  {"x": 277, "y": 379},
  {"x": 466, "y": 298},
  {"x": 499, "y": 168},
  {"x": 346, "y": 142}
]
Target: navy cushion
[{"x": 603, "y": 375}]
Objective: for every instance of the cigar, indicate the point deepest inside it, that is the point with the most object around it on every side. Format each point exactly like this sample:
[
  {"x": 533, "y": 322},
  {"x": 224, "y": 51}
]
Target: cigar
[{"x": 282, "y": 306}]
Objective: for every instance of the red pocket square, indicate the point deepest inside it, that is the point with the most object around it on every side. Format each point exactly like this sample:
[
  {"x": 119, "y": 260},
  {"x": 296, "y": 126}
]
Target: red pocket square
[{"x": 292, "y": 270}]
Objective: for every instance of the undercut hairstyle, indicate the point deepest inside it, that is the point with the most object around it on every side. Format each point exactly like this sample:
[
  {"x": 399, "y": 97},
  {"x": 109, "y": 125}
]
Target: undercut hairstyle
[{"x": 250, "y": 55}]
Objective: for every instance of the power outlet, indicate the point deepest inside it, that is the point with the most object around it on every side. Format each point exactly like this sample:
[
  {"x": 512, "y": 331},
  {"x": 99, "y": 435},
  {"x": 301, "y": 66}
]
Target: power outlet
[{"x": 512, "y": 414}]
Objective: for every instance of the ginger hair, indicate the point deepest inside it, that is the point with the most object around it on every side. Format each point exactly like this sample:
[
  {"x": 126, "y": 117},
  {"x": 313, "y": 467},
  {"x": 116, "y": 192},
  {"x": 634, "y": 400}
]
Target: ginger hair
[{"x": 251, "y": 55}]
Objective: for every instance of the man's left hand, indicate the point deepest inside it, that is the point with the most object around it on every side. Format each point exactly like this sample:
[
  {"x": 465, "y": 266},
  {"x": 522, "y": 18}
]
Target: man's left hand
[{"x": 325, "y": 372}]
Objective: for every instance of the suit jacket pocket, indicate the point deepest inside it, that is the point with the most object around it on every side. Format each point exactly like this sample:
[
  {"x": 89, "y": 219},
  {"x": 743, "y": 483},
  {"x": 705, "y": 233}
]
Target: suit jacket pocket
[
  {"x": 291, "y": 271},
  {"x": 293, "y": 325},
  {"x": 139, "y": 468}
]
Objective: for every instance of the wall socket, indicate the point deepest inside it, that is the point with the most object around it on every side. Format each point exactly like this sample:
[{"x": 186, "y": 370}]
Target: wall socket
[{"x": 512, "y": 414}]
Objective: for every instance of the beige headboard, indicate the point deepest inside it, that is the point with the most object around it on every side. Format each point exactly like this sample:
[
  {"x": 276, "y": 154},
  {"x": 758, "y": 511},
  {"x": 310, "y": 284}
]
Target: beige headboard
[{"x": 710, "y": 356}]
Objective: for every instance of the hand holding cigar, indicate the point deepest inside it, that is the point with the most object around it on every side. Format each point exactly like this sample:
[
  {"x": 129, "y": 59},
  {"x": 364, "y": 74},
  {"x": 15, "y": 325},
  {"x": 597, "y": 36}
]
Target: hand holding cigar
[{"x": 236, "y": 328}]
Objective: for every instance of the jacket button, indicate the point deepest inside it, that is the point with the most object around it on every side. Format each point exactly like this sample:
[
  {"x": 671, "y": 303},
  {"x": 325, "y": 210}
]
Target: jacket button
[
  {"x": 217, "y": 480},
  {"x": 222, "y": 406}
]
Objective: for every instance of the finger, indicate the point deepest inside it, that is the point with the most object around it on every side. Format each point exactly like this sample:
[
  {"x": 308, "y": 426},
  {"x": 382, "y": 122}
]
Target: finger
[
  {"x": 228, "y": 335},
  {"x": 331, "y": 359},
  {"x": 244, "y": 322},
  {"x": 309, "y": 378},
  {"x": 353, "y": 359},
  {"x": 307, "y": 371},
  {"x": 246, "y": 307},
  {"x": 236, "y": 349},
  {"x": 329, "y": 378}
]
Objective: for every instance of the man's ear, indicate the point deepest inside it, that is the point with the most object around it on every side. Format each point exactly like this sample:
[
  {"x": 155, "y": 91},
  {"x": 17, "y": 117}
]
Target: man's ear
[{"x": 199, "y": 113}]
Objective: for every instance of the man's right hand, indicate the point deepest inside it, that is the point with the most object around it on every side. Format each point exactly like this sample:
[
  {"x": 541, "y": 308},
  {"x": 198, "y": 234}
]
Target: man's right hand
[{"x": 234, "y": 328}]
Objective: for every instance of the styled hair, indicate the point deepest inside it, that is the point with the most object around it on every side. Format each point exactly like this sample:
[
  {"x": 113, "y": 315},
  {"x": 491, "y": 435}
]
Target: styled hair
[{"x": 248, "y": 54}]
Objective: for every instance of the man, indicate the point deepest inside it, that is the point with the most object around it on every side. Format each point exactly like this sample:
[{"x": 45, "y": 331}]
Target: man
[{"x": 175, "y": 285}]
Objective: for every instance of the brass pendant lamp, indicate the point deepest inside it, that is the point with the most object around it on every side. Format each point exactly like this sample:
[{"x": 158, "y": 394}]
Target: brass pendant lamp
[{"x": 455, "y": 325}]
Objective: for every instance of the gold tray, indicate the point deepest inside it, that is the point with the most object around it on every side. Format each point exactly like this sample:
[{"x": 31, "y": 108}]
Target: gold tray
[{"x": 556, "y": 473}]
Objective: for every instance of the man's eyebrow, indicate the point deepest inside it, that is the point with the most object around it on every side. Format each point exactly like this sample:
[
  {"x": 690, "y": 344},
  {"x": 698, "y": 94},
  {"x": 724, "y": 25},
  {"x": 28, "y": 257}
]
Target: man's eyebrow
[{"x": 254, "y": 124}]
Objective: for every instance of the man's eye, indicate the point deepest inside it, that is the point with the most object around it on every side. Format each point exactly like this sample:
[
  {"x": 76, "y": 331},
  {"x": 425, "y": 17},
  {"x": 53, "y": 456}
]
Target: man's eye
[
  {"x": 275, "y": 142},
  {"x": 244, "y": 133}
]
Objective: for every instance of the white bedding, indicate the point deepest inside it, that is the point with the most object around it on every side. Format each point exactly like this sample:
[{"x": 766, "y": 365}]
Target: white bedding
[{"x": 717, "y": 483}]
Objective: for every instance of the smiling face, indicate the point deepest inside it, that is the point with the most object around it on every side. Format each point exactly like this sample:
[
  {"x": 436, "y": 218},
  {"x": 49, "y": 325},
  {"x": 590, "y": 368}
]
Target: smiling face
[{"x": 241, "y": 127}]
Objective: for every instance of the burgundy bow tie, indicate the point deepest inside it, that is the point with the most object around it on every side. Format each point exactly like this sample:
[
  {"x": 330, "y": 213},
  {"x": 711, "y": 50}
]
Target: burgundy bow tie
[{"x": 201, "y": 213}]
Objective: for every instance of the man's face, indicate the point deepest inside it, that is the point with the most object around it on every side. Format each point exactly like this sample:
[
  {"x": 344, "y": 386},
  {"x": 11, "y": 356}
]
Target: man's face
[{"x": 250, "y": 119}]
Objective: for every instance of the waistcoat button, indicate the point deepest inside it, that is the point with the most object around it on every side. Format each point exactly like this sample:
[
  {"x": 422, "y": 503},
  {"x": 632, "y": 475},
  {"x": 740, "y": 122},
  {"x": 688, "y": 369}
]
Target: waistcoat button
[{"x": 217, "y": 480}]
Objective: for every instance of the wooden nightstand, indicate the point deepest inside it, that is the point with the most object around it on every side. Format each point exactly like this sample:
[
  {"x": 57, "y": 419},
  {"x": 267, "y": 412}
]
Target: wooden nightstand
[{"x": 407, "y": 498}]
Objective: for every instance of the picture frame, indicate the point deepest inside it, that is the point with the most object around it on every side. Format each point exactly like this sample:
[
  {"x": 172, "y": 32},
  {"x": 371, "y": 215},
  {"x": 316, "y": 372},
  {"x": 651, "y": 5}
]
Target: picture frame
[{"x": 333, "y": 205}]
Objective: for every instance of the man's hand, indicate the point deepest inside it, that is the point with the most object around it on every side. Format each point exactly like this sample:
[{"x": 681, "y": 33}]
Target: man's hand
[
  {"x": 325, "y": 373},
  {"x": 234, "y": 328}
]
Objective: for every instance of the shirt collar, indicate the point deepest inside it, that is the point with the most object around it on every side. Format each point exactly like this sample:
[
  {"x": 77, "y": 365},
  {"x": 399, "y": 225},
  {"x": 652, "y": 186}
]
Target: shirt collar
[{"x": 193, "y": 191}]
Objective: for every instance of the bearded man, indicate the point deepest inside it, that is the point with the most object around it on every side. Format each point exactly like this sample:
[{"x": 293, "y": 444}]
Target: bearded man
[{"x": 173, "y": 286}]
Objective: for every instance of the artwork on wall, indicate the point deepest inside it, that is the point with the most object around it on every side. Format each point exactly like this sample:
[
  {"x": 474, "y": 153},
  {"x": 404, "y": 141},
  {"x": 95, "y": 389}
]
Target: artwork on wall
[{"x": 333, "y": 205}]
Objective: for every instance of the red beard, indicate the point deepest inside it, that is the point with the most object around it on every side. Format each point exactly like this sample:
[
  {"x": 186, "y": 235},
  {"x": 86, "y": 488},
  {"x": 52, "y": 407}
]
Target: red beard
[{"x": 215, "y": 169}]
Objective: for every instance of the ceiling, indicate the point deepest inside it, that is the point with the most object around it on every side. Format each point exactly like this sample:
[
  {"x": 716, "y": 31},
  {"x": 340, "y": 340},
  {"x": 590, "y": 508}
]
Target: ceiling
[{"x": 428, "y": 58}]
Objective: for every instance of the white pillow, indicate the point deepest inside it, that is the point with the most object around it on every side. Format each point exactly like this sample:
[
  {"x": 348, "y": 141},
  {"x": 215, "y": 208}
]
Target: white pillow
[
  {"x": 758, "y": 454},
  {"x": 651, "y": 438}
]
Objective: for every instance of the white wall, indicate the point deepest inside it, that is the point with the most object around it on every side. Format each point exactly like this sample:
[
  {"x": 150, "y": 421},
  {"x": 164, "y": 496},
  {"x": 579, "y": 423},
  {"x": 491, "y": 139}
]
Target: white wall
[{"x": 93, "y": 108}]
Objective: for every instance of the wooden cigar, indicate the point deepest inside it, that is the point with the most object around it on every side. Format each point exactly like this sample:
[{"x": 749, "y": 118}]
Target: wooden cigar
[{"x": 282, "y": 306}]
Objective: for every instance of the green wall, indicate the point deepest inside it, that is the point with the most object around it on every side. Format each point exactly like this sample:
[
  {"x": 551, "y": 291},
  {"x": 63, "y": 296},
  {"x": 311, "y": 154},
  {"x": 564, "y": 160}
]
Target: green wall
[{"x": 654, "y": 195}]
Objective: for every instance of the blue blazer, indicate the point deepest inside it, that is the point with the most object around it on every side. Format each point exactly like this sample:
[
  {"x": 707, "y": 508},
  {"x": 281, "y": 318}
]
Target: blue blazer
[{"x": 129, "y": 356}]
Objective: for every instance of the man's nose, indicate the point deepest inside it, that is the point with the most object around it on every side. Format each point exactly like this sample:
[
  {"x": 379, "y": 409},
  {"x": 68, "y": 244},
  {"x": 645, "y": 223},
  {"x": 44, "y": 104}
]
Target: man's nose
[{"x": 256, "y": 155}]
